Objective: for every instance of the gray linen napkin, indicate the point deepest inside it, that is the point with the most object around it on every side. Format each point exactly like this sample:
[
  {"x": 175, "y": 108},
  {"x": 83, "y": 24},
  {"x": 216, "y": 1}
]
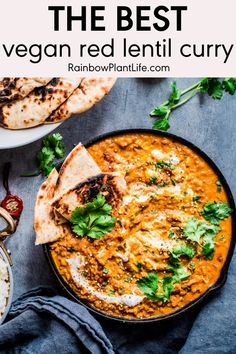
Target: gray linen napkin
[{"x": 41, "y": 322}]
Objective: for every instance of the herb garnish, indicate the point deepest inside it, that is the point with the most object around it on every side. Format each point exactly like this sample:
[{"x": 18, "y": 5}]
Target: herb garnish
[
  {"x": 197, "y": 198},
  {"x": 214, "y": 87},
  {"x": 152, "y": 179},
  {"x": 105, "y": 270},
  {"x": 202, "y": 233},
  {"x": 111, "y": 292},
  {"x": 216, "y": 211},
  {"x": 162, "y": 184},
  {"x": 171, "y": 234},
  {"x": 182, "y": 250},
  {"x": 192, "y": 265},
  {"x": 94, "y": 219},
  {"x": 174, "y": 182},
  {"x": 127, "y": 280},
  {"x": 179, "y": 251},
  {"x": 163, "y": 164},
  {"x": 195, "y": 229},
  {"x": 219, "y": 186},
  {"x": 208, "y": 246},
  {"x": 52, "y": 148},
  {"x": 71, "y": 249},
  {"x": 150, "y": 284},
  {"x": 139, "y": 265}
]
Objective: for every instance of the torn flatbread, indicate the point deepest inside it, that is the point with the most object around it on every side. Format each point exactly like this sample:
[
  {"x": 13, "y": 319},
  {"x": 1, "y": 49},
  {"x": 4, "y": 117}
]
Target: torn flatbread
[
  {"x": 38, "y": 105},
  {"x": 90, "y": 91},
  {"x": 110, "y": 185},
  {"x": 45, "y": 227},
  {"x": 17, "y": 88},
  {"x": 78, "y": 166}
]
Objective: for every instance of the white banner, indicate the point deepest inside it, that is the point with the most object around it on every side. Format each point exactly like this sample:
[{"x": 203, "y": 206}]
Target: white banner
[{"x": 132, "y": 38}]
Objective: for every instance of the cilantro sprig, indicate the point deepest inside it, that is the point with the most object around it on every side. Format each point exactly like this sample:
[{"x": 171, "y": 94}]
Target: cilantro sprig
[
  {"x": 52, "y": 148},
  {"x": 150, "y": 285},
  {"x": 203, "y": 234},
  {"x": 94, "y": 219},
  {"x": 182, "y": 250},
  {"x": 216, "y": 211},
  {"x": 194, "y": 230},
  {"x": 214, "y": 87}
]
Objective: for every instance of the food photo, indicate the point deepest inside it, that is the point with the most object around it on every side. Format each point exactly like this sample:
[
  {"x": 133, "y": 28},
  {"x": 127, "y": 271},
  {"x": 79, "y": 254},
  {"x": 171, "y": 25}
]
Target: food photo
[{"x": 117, "y": 215}]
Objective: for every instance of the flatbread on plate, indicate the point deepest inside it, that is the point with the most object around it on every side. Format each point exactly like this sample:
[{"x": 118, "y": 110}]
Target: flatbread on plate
[
  {"x": 15, "y": 88},
  {"x": 38, "y": 105},
  {"x": 90, "y": 91}
]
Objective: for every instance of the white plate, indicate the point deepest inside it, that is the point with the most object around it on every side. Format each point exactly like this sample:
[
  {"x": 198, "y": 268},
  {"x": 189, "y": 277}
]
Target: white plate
[{"x": 15, "y": 138}]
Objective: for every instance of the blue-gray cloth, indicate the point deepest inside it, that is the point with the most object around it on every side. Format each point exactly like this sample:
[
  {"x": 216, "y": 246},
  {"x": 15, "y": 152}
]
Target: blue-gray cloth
[{"x": 41, "y": 322}]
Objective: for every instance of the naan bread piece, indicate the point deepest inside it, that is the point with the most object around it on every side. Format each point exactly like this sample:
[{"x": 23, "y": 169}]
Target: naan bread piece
[
  {"x": 78, "y": 166},
  {"x": 38, "y": 105},
  {"x": 17, "y": 88},
  {"x": 44, "y": 225},
  {"x": 90, "y": 91},
  {"x": 110, "y": 185}
]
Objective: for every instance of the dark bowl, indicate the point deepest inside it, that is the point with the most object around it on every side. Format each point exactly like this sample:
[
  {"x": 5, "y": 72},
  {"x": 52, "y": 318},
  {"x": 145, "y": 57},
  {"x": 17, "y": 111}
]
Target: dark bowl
[{"x": 223, "y": 275}]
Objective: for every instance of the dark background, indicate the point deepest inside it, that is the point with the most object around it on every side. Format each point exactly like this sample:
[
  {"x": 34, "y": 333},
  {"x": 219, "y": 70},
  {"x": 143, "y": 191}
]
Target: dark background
[{"x": 207, "y": 123}]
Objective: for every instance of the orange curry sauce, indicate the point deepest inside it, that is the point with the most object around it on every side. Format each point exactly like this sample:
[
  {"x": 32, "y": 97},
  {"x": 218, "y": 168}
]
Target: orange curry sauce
[{"x": 158, "y": 201}]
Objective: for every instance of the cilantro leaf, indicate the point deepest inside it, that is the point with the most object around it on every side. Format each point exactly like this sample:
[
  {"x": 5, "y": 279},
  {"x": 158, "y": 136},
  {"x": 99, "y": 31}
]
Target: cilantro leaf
[
  {"x": 182, "y": 250},
  {"x": 175, "y": 94},
  {"x": 55, "y": 143},
  {"x": 94, "y": 219},
  {"x": 208, "y": 246},
  {"x": 181, "y": 273},
  {"x": 194, "y": 230},
  {"x": 168, "y": 288},
  {"x": 149, "y": 285},
  {"x": 216, "y": 211},
  {"x": 52, "y": 147},
  {"x": 202, "y": 233},
  {"x": 229, "y": 85},
  {"x": 160, "y": 111},
  {"x": 45, "y": 158},
  {"x": 213, "y": 87}
]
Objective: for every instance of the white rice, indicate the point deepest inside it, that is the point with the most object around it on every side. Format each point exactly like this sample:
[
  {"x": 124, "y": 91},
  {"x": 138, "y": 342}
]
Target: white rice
[{"x": 4, "y": 286}]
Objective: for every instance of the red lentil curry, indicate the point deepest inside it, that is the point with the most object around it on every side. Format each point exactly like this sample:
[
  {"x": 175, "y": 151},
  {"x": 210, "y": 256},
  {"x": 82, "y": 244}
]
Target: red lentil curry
[{"x": 172, "y": 232}]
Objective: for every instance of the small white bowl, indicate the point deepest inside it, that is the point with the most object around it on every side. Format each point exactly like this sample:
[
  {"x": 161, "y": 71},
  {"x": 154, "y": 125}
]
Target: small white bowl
[{"x": 9, "y": 300}]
